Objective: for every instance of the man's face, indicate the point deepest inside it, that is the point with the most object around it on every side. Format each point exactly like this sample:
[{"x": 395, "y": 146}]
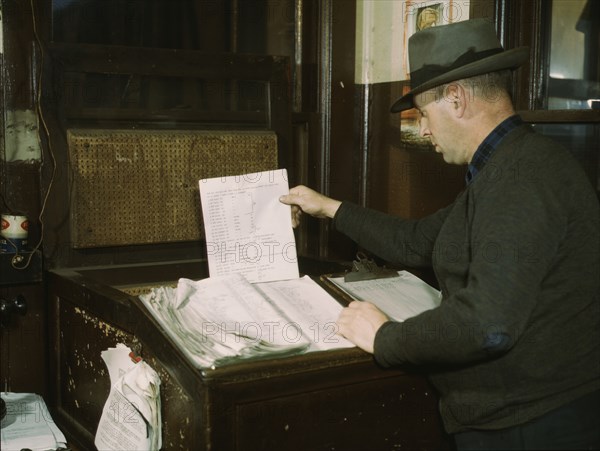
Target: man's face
[{"x": 438, "y": 122}]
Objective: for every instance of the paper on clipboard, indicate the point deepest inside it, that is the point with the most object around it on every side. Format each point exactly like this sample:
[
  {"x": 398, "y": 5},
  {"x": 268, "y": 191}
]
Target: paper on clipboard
[{"x": 398, "y": 297}]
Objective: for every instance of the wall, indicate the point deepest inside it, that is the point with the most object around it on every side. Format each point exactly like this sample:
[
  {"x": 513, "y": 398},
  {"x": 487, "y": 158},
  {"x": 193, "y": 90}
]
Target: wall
[{"x": 23, "y": 341}]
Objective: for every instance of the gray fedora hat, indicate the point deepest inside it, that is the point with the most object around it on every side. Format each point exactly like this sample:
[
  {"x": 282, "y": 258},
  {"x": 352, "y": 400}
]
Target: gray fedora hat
[{"x": 446, "y": 53}]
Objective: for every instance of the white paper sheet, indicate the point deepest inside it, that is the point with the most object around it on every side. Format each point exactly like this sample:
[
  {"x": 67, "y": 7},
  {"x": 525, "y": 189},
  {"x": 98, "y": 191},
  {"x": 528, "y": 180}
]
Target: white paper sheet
[
  {"x": 313, "y": 309},
  {"x": 233, "y": 306},
  {"x": 248, "y": 231}
]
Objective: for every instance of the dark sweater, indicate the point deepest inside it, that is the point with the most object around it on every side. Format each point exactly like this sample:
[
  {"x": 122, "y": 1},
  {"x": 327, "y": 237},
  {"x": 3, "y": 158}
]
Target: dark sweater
[{"x": 517, "y": 257}]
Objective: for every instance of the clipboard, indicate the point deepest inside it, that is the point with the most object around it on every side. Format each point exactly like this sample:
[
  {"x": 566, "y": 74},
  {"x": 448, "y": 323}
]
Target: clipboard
[
  {"x": 363, "y": 268},
  {"x": 400, "y": 296}
]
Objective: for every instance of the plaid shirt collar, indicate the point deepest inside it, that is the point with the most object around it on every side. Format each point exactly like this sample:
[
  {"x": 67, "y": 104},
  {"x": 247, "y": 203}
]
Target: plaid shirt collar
[{"x": 489, "y": 145}]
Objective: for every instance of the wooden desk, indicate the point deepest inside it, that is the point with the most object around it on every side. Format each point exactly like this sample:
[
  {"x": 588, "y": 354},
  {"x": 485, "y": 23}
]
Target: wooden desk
[{"x": 332, "y": 400}]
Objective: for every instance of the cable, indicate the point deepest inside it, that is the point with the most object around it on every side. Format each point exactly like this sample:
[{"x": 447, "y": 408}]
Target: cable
[{"x": 18, "y": 258}]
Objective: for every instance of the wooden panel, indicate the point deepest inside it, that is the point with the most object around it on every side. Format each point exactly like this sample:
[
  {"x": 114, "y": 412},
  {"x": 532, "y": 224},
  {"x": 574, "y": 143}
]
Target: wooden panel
[
  {"x": 86, "y": 317},
  {"x": 23, "y": 342},
  {"x": 386, "y": 413},
  {"x": 82, "y": 381},
  {"x": 420, "y": 182}
]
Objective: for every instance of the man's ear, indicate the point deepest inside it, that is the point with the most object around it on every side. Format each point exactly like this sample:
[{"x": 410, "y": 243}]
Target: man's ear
[{"x": 457, "y": 97}]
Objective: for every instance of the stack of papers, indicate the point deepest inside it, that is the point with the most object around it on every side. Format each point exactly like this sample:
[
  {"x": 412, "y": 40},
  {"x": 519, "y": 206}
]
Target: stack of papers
[
  {"x": 28, "y": 424},
  {"x": 226, "y": 318},
  {"x": 131, "y": 416}
]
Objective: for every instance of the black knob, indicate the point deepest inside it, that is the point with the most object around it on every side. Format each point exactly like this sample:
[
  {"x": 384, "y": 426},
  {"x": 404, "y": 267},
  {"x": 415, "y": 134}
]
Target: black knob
[{"x": 8, "y": 307}]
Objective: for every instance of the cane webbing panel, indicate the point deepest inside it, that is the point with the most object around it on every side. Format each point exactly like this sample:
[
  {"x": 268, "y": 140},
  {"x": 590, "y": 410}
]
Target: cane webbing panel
[
  {"x": 139, "y": 290},
  {"x": 141, "y": 186}
]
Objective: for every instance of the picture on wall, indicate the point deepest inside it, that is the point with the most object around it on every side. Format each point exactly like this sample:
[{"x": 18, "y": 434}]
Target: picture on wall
[{"x": 426, "y": 15}]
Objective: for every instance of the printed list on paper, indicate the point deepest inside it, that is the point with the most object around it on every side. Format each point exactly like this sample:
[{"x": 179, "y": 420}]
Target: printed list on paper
[{"x": 248, "y": 231}]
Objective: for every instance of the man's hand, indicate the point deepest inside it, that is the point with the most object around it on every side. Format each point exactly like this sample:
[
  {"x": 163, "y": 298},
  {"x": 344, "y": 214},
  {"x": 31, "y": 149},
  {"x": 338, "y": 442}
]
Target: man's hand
[
  {"x": 303, "y": 199},
  {"x": 359, "y": 322}
]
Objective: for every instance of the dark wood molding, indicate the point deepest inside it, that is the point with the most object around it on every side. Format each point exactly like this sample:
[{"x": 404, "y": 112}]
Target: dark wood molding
[{"x": 560, "y": 116}]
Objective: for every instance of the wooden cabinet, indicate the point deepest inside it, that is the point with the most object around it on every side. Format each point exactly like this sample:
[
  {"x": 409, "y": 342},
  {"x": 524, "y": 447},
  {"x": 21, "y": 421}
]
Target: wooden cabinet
[{"x": 338, "y": 400}]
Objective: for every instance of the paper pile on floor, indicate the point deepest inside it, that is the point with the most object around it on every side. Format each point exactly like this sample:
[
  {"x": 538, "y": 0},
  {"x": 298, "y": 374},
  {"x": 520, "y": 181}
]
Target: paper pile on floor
[{"x": 28, "y": 424}]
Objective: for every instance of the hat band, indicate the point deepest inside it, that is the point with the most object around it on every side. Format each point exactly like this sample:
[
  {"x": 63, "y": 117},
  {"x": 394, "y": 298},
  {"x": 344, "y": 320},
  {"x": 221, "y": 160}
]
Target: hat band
[{"x": 431, "y": 71}]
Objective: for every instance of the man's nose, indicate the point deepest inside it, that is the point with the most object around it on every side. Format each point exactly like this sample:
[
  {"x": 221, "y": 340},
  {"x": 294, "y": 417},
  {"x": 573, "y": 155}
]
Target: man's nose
[{"x": 423, "y": 129}]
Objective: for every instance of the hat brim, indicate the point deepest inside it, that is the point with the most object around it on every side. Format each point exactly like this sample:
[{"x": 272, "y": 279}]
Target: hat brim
[{"x": 508, "y": 59}]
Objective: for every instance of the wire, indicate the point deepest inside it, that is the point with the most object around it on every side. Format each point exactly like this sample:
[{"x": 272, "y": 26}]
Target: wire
[{"x": 18, "y": 258}]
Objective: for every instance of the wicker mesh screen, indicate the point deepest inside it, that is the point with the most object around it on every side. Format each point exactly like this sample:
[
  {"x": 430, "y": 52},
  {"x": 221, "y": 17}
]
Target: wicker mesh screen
[
  {"x": 141, "y": 186},
  {"x": 139, "y": 290}
]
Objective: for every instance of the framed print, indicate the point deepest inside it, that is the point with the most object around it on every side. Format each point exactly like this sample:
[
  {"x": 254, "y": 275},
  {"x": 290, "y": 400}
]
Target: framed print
[{"x": 427, "y": 14}]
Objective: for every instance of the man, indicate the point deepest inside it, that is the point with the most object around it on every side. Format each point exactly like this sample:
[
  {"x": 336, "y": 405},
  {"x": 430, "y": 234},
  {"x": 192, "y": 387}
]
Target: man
[{"x": 513, "y": 349}]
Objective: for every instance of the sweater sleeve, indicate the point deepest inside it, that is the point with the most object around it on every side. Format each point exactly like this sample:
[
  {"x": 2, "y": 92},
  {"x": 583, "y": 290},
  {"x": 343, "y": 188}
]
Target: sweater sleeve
[{"x": 396, "y": 240}]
